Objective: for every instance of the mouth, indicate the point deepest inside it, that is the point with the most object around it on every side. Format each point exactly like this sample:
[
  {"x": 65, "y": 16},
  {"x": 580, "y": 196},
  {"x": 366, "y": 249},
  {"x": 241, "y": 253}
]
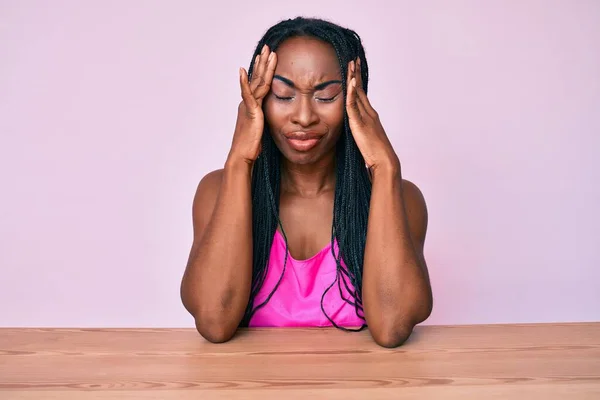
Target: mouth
[{"x": 303, "y": 141}]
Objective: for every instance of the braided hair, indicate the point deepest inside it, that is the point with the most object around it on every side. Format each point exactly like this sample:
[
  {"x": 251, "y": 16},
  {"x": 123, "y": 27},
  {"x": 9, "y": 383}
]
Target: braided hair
[{"x": 352, "y": 188}]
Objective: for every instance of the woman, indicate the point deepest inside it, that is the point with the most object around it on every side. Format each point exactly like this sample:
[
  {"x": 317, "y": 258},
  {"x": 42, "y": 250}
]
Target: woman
[{"x": 309, "y": 223}]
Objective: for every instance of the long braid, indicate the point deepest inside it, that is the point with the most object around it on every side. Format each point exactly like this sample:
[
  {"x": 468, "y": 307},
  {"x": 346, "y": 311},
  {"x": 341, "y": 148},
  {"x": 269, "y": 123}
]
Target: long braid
[{"x": 352, "y": 189}]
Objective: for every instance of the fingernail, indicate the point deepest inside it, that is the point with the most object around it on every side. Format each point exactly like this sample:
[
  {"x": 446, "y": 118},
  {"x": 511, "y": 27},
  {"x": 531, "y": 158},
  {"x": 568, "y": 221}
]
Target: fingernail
[{"x": 263, "y": 49}]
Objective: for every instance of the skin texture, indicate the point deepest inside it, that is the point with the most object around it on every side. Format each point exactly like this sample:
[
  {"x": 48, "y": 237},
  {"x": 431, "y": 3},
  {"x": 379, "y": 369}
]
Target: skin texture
[{"x": 396, "y": 289}]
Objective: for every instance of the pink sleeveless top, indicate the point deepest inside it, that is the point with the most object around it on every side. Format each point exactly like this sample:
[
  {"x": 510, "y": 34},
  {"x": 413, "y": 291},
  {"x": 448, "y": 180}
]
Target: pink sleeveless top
[{"x": 297, "y": 300}]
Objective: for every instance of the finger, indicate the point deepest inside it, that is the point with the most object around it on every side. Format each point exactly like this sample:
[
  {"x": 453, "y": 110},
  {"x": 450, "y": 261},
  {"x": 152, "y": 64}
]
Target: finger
[
  {"x": 349, "y": 76},
  {"x": 247, "y": 96},
  {"x": 358, "y": 73},
  {"x": 359, "y": 101},
  {"x": 268, "y": 76},
  {"x": 261, "y": 57},
  {"x": 256, "y": 73},
  {"x": 364, "y": 101},
  {"x": 352, "y": 106},
  {"x": 258, "y": 78},
  {"x": 361, "y": 92}
]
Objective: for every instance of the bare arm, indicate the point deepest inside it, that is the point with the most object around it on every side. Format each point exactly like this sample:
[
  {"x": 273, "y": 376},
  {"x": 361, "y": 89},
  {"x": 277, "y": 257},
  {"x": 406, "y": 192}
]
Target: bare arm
[
  {"x": 396, "y": 289},
  {"x": 216, "y": 284}
]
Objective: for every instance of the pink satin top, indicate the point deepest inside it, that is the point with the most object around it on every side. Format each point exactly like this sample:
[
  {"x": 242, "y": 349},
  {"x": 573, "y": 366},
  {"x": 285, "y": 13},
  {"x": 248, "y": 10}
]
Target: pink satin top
[{"x": 297, "y": 300}]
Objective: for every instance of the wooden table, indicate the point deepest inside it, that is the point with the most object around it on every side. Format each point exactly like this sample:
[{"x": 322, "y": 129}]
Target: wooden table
[{"x": 545, "y": 361}]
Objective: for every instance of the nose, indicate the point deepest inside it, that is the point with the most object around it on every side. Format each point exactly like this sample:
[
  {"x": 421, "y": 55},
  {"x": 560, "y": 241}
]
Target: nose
[{"x": 304, "y": 114}]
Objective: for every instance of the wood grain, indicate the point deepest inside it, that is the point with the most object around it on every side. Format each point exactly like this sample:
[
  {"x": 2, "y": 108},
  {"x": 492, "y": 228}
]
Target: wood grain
[{"x": 526, "y": 361}]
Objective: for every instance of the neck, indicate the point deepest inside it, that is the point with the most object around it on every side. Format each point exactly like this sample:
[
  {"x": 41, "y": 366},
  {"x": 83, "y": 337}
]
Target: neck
[{"x": 308, "y": 180}]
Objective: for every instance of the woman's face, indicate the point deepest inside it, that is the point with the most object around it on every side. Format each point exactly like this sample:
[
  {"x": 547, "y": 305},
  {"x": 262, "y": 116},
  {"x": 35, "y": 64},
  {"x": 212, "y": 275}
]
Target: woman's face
[{"x": 305, "y": 107}]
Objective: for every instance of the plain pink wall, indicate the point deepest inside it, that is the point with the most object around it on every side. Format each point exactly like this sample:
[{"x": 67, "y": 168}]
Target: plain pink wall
[{"x": 111, "y": 112}]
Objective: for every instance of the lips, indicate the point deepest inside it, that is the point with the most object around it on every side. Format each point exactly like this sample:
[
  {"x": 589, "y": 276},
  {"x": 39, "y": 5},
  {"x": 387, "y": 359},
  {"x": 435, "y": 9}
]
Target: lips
[{"x": 303, "y": 141}]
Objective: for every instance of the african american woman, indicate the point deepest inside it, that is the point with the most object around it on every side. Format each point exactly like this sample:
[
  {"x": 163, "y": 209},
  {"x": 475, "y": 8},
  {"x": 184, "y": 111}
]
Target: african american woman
[{"x": 310, "y": 222}]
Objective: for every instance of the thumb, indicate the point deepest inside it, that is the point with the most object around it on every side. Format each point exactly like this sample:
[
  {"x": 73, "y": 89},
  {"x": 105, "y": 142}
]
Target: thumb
[{"x": 249, "y": 100}]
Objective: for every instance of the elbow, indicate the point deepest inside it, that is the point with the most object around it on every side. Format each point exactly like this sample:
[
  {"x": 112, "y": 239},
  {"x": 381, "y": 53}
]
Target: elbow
[
  {"x": 214, "y": 331},
  {"x": 395, "y": 327},
  {"x": 393, "y": 336},
  {"x": 394, "y": 330}
]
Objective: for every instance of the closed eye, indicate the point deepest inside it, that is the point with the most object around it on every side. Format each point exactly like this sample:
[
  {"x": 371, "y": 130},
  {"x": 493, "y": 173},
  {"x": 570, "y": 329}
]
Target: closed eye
[
  {"x": 327, "y": 100},
  {"x": 323, "y": 100}
]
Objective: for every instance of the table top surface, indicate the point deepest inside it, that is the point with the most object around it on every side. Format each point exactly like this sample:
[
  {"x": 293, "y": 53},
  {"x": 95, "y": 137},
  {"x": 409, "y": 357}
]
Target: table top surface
[{"x": 529, "y": 361}]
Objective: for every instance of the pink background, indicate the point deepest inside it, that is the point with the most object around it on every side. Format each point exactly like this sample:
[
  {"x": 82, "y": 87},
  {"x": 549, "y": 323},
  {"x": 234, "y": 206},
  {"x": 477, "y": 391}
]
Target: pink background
[{"x": 111, "y": 112}]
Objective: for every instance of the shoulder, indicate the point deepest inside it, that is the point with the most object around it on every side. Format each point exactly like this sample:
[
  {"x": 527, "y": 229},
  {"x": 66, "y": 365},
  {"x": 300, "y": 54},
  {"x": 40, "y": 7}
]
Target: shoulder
[
  {"x": 211, "y": 180},
  {"x": 208, "y": 188},
  {"x": 413, "y": 195},
  {"x": 416, "y": 209},
  {"x": 205, "y": 198}
]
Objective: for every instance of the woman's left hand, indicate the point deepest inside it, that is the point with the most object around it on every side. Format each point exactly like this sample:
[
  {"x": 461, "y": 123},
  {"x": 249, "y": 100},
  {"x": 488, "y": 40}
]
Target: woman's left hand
[{"x": 366, "y": 128}]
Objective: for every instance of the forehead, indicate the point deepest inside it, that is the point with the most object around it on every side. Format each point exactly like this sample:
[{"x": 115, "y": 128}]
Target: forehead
[{"x": 307, "y": 61}]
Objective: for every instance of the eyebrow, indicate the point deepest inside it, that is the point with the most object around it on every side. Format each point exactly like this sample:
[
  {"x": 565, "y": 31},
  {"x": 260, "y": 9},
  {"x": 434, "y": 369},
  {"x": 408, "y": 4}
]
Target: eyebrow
[{"x": 320, "y": 86}]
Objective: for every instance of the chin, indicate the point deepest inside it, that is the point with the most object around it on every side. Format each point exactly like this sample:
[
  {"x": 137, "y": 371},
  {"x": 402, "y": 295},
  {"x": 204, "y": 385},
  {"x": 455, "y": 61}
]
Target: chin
[{"x": 301, "y": 158}]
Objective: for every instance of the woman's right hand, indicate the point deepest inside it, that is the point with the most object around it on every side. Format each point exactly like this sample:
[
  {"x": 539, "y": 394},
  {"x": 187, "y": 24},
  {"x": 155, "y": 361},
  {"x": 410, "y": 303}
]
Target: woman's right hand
[{"x": 249, "y": 127}]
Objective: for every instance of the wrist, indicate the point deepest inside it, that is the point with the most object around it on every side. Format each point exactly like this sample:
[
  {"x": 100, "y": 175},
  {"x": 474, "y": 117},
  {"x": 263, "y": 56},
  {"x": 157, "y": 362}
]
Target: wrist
[
  {"x": 238, "y": 164},
  {"x": 389, "y": 168}
]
